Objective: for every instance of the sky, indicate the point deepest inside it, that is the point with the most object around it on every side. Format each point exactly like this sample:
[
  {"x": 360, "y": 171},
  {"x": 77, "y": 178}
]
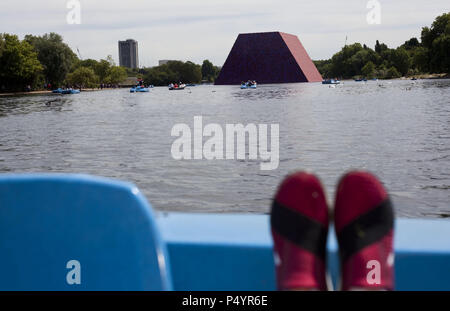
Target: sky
[{"x": 206, "y": 29}]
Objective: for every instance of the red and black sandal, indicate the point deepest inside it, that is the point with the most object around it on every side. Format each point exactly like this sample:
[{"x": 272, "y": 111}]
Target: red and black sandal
[
  {"x": 364, "y": 223},
  {"x": 299, "y": 224}
]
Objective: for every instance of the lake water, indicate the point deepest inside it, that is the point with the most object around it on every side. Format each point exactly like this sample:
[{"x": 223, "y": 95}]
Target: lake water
[{"x": 400, "y": 130}]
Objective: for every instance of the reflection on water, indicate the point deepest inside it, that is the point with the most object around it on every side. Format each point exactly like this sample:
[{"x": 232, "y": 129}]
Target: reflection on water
[
  {"x": 26, "y": 104},
  {"x": 397, "y": 129},
  {"x": 267, "y": 92}
]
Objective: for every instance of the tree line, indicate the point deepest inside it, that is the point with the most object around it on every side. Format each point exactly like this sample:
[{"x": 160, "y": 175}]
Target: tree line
[
  {"x": 429, "y": 55},
  {"x": 177, "y": 71},
  {"x": 39, "y": 62}
]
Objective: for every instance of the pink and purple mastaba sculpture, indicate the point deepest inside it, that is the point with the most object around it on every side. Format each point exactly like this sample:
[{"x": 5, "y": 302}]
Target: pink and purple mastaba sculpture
[{"x": 268, "y": 57}]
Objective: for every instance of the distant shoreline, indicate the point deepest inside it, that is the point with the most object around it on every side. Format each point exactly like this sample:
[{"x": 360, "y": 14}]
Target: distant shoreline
[
  {"x": 424, "y": 76},
  {"x": 42, "y": 92}
]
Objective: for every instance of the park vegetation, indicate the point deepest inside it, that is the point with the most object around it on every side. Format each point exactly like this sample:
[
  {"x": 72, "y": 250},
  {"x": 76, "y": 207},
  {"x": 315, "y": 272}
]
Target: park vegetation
[
  {"x": 39, "y": 62},
  {"x": 178, "y": 71},
  {"x": 429, "y": 55}
]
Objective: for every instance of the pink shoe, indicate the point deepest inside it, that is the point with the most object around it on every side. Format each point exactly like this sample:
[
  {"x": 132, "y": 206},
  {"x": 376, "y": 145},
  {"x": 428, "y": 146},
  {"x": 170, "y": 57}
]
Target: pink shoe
[
  {"x": 364, "y": 223},
  {"x": 299, "y": 221}
]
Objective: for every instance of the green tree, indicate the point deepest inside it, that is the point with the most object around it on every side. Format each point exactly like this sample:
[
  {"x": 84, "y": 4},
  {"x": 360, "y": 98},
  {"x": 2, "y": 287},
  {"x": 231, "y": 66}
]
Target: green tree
[
  {"x": 132, "y": 72},
  {"x": 324, "y": 67},
  {"x": 440, "y": 60},
  {"x": 341, "y": 63},
  {"x": 2, "y": 43},
  {"x": 420, "y": 59},
  {"x": 88, "y": 63},
  {"x": 18, "y": 62},
  {"x": 411, "y": 44},
  {"x": 436, "y": 40},
  {"x": 173, "y": 72},
  {"x": 101, "y": 69},
  {"x": 368, "y": 70},
  {"x": 158, "y": 77},
  {"x": 432, "y": 54},
  {"x": 400, "y": 59},
  {"x": 82, "y": 77},
  {"x": 116, "y": 74},
  {"x": 392, "y": 73},
  {"x": 191, "y": 73},
  {"x": 349, "y": 61},
  {"x": 358, "y": 60},
  {"x": 438, "y": 28},
  {"x": 209, "y": 71},
  {"x": 379, "y": 48},
  {"x": 56, "y": 56}
]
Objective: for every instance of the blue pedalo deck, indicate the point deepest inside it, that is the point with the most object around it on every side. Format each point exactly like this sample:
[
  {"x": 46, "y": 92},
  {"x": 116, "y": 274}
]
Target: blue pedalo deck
[{"x": 234, "y": 252}]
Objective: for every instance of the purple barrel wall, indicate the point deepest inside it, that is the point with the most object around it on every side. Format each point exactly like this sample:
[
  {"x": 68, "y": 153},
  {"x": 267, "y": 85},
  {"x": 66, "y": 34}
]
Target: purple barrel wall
[{"x": 268, "y": 57}]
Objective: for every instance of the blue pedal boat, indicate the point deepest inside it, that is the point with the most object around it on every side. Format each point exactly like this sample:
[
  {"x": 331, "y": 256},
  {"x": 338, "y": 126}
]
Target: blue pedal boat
[
  {"x": 65, "y": 91},
  {"x": 139, "y": 89},
  {"x": 50, "y": 221},
  {"x": 70, "y": 91},
  {"x": 248, "y": 86},
  {"x": 331, "y": 81}
]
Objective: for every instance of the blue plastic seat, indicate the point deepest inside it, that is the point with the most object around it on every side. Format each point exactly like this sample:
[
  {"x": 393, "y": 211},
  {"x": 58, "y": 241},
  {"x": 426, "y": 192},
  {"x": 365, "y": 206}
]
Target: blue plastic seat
[{"x": 77, "y": 232}]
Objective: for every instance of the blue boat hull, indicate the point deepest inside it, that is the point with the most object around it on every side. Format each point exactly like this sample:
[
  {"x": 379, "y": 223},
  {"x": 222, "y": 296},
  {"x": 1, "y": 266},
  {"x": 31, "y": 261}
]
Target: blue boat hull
[
  {"x": 331, "y": 81},
  {"x": 139, "y": 90},
  {"x": 241, "y": 245},
  {"x": 70, "y": 91},
  {"x": 248, "y": 87}
]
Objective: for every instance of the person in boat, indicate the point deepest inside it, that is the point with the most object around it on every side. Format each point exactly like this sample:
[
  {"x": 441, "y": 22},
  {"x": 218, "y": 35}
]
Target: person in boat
[{"x": 363, "y": 222}]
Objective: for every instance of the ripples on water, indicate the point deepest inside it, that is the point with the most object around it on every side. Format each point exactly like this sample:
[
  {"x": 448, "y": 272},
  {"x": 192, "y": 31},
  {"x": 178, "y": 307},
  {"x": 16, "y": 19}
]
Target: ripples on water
[{"x": 399, "y": 130}]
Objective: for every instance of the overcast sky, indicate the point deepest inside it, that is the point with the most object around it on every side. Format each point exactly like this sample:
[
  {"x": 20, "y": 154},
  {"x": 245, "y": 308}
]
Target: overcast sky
[{"x": 199, "y": 29}]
